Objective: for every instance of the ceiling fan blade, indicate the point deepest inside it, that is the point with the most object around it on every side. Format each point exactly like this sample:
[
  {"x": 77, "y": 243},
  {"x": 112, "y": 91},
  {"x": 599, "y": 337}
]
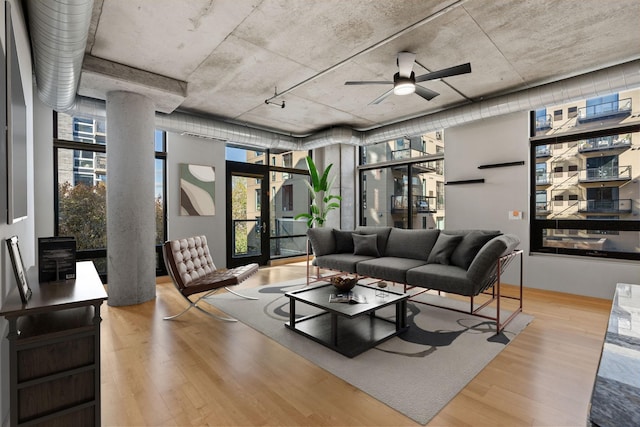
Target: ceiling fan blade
[
  {"x": 376, "y": 82},
  {"x": 405, "y": 63},
  {"x": 447, "y": 72},
  {"x": 427, "y": 94},
  {"x": 382, "y": 97}
]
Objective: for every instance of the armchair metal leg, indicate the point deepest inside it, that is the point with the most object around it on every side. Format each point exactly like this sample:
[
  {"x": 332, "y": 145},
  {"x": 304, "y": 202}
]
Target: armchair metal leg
[
  {"x": 240, "y": 295},
  {"x": 194, "y": 304}
]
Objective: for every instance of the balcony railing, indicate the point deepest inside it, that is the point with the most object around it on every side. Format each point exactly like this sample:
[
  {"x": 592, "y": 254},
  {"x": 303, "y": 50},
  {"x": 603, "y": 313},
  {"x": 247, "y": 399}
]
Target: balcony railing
[
  {"x": 406, "y": 153},
  {"x": 605, "y": 206},
  {"x": 608, "y": 143},
  {"x": 605, "y": 173},
  {"x": 543, "y": 151},
  {"x": 621, "y": 107},
  {"x": 544, "y": 122},
  {"x": 425, "y": 204},
  {"x": 595, "y": 244},
  {"x": 543, "y": 178},
  {"x": 421, "y": 204},
  {"x": 542, "y": 208}
]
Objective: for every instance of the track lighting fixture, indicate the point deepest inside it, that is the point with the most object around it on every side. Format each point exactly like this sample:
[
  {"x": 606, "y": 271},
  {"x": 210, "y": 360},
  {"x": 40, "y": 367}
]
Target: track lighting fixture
[
  {"x": 281, "y": 104},
  {"x": 275, "y": 94}
]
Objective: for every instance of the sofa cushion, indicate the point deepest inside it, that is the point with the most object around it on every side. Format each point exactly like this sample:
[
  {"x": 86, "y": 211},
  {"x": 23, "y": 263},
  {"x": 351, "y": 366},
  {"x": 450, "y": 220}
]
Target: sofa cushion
[
  {"x": 443, "y": 248},
  {"x": 344, "y": 241},
  {"x": 340, "y": 262},
  {"x": 393, "y": 269},
  {"x": 414, "y": 244},
  {"x": 467, "y": 249},
  {"x": 381, "y": 232},
  {"x": 365, "y": 244},
  {"x": 447, "y": 278},
  {"x": 322, "y": 240},
  {"x": 464, "y": 232}
]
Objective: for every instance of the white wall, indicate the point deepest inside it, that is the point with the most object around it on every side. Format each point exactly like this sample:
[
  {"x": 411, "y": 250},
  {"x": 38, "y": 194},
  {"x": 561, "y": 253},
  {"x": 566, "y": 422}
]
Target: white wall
[
  {"x": 505, "y": 139},
  {"x": 24, "y": 229},
  {"x": 188, "y": 149},
  {"x": 43, "y": 164}
]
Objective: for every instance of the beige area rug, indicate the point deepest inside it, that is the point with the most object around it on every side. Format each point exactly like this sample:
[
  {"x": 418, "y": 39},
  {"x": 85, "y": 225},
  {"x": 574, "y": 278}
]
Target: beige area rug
[{"x": 417, "y": 373}]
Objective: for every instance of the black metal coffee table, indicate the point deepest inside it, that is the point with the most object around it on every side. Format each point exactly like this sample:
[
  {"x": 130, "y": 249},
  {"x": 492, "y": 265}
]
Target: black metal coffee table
[{"x": 349, "y": 329}]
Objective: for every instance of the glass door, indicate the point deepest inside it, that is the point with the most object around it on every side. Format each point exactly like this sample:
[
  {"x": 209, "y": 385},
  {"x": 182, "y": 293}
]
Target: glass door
[{"x": 247, "y": 214}]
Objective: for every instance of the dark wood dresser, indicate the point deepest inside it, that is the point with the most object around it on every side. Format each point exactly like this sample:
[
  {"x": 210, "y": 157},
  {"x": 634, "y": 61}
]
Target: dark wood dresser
[{"x": 54, "y": 346}]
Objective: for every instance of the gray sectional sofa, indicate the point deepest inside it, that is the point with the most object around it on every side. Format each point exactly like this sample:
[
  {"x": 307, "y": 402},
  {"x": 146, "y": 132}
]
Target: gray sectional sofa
[{"x": 463, "y": 262}]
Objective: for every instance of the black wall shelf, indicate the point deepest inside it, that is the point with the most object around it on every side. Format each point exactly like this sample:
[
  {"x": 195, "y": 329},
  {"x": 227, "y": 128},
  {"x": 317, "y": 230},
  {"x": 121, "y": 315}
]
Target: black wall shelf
[
  {"x": 501, "y": 165},
  {"x": 465, "y": 181}
]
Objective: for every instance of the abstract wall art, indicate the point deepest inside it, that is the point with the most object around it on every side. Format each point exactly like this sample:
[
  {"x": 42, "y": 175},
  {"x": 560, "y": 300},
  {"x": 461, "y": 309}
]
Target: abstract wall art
[{"x": 197, "y": 190}]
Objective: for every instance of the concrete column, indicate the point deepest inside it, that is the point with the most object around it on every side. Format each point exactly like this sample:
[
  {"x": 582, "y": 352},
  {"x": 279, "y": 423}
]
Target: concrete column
[
  {"x": 130, "y": 198},
  {"x": 348, "y": 178}
]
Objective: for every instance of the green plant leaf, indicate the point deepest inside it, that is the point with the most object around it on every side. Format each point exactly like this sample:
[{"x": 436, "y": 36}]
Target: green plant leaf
[
  {"x": 330, "y": 197},
  {"x": 324, "y": 185},
  {"x": 313, "y": 172},
  {"x": 312, "y": 191}
]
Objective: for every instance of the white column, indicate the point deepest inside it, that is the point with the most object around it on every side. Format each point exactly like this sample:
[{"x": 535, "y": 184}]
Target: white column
[{"x": 130, "y": 198}]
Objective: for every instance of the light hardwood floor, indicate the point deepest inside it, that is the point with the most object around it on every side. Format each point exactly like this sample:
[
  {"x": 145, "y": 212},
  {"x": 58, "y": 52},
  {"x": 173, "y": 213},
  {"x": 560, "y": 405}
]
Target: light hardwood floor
[{"x": 197, "y": 371}]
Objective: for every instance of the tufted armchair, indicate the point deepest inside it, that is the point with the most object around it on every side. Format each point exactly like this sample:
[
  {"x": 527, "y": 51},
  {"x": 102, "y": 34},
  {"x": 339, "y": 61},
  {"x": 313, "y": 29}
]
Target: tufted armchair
[{"x": 192, "y": 270}]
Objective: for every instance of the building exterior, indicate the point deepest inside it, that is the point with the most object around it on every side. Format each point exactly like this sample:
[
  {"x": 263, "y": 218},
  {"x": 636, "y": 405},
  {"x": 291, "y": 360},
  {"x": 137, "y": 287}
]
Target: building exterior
[
  {"x": 80, "y": 166},
  {"x": 591, "y": 178}
]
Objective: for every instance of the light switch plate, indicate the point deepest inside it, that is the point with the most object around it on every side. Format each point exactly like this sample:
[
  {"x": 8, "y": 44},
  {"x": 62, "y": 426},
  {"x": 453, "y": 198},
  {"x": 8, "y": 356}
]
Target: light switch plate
[{"x": 515, "y": 215}]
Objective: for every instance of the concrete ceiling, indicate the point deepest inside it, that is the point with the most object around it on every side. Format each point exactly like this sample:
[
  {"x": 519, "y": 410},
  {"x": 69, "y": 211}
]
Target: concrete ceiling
[{"x": 232, "y": 54}]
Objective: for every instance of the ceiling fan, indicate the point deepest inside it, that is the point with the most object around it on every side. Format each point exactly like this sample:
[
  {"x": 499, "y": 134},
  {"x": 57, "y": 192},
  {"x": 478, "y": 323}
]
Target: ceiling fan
[{"x": 404, "y": 81}]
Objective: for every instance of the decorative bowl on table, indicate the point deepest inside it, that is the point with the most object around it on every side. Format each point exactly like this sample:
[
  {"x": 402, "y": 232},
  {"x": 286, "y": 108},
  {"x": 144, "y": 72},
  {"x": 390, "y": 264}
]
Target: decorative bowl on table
[{"x": 344, "y": 283}]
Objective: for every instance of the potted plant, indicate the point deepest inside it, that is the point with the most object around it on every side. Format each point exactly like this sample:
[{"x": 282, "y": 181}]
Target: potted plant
[{"x": 321, "y": 201}]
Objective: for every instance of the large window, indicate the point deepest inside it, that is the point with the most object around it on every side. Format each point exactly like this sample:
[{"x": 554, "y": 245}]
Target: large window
[
  {"x": 585, "y": 182},
  {"x": 81, "y": 186},
  {"x": 402, "y": 183}
]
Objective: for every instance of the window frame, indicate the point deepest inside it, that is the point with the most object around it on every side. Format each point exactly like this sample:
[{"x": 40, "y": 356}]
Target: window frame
[
  {"x": 89, "y": 254},
  {"x": 272, "y": 168},
  {"x": 409, "y": 162},
  {"x": 538, "y": 226}
]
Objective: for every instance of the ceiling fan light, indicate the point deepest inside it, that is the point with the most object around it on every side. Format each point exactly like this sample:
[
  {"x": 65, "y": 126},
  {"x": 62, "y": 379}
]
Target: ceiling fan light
[{"x": 404, "y": 88}]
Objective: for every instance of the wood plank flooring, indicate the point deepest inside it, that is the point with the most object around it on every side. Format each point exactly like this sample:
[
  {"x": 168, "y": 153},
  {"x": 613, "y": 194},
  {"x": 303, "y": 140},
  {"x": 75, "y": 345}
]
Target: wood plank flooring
[{"x": 197, "y": 371}]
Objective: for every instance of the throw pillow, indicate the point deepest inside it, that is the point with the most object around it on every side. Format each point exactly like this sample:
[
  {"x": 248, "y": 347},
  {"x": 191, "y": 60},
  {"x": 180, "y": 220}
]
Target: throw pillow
[
  {"x": 322, "y": 241},
  {"x": 470, "y": 245},
  {"x": 443, "y": 249},
  {"x": 381, "y": 232},
  {"x": 344, "y": 241},
  {"x": 365, "y": 244}
]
